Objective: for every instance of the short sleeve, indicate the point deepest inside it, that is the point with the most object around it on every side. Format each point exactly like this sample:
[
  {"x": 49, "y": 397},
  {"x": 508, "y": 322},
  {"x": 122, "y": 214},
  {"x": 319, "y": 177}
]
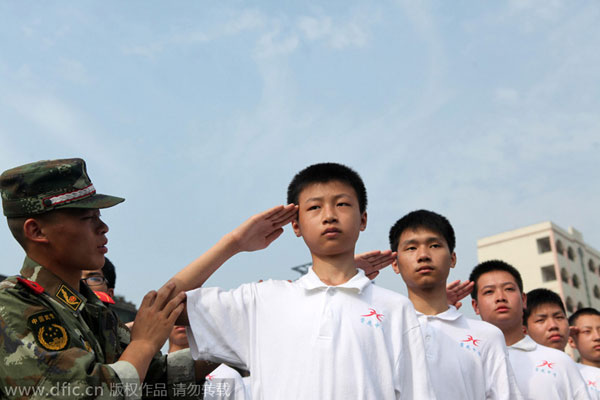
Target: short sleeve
[{"x": 221, "y": 324}]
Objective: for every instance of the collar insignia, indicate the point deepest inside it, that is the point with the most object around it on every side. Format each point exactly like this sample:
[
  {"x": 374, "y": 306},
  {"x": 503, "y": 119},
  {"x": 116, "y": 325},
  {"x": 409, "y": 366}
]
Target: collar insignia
[{"x": 68, "y": 297}]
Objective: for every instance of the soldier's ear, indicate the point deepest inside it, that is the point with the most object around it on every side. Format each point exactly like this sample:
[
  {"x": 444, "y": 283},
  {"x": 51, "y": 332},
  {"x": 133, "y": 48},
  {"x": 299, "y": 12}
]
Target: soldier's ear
[{"x": 33, "y": 231}]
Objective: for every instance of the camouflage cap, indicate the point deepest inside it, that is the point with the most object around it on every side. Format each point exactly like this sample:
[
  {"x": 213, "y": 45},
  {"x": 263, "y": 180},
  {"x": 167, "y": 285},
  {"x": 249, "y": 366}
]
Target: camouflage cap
[{"x": 44, "y": 186}]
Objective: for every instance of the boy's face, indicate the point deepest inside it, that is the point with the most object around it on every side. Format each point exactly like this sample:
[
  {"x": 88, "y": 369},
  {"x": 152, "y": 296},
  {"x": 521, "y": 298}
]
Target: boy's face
[
  {"x": 77, "y": 238},
  {"x": 329, "y": 218},
  {"x": 424, "y": 259},
  {"x": 499, "y": 300},
  {"x": 587, "y": 339},
  {"x": 548, "y": 325}
]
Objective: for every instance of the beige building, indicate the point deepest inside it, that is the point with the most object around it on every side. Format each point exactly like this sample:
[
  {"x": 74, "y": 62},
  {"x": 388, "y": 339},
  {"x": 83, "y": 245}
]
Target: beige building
[{"x": 550, "y": 257}]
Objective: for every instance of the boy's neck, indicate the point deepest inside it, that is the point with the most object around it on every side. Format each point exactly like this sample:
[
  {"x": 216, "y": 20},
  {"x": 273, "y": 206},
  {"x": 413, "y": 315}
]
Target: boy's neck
[
  {"x": 334, "y": 270},
  {"x": 591, "y": 363},
  {"x": 429, "y": 301},
  {"x": 513, "y": 334}
]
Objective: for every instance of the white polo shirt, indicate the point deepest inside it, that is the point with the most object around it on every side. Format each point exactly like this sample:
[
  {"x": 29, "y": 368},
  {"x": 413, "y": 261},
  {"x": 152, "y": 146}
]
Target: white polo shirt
[
  {"x": 467, "y": 359},
  {"x": 307, "y": 340},
  {"x": 591, "y": 375},
  {"x": 544, "y": 373}
]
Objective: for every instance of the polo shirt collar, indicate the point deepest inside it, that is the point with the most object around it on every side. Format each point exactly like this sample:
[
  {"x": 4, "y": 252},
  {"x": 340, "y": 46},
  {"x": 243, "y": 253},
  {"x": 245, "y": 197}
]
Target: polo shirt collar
[
  {"x": 310, "y": 281},
  {"x": 451, "y": 314},
  {"x": 55, "y": 287},
  {"x": 525, "y": 344}
]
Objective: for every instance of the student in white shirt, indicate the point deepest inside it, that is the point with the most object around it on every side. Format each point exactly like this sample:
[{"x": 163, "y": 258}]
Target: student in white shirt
[
  {"x": 467, "y": 359},
  {"x": 330, "y": 335},
  {"x": 541, "y": 372},
  {"x": 585, "y": 337}
]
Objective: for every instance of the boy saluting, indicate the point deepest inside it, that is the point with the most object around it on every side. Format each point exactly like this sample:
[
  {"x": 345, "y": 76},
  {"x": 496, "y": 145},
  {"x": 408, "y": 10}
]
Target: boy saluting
[
  {"x": 467, "y": 358},
  {"x": 329, "y": 335}
]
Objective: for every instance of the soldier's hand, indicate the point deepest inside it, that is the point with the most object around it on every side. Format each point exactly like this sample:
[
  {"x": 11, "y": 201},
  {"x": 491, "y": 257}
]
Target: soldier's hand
[
  {"x": 156, "y": 316},
  {"x": 261, "y": 229}
]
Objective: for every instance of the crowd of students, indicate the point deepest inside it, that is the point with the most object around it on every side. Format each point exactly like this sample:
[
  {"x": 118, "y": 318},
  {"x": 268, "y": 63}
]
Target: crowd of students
[{"x": 332, "y": 334}]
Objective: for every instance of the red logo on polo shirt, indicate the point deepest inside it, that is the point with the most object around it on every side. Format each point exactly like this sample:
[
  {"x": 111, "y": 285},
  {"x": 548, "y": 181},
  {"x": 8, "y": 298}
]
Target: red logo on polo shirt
[
  {"x": 546, "y": 364},
  {"x": 592, "y": 383},
  {"x": 471, "y": 339},
  {"x": 372, "y": 313},
  {"x": 209, "y": 377}
]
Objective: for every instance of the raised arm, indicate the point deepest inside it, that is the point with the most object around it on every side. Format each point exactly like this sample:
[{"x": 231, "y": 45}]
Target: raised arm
[{"x": 256, "y": 233}]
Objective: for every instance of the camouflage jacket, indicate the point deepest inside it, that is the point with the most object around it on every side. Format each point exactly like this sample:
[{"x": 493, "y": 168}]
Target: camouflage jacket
[{"x": 56, "y": 342}]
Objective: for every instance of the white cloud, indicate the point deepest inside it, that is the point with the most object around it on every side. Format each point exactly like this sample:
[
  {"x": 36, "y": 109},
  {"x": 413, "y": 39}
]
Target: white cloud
[
  {"x": 73, "y": 70},
  {"x": 344, "y": 34}
]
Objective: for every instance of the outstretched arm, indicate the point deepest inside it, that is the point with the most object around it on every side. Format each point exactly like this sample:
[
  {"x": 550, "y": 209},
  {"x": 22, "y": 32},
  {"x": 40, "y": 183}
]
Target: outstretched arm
[
  {"x": 256, "y": 233},
  {"x": 373, "y": 261}
]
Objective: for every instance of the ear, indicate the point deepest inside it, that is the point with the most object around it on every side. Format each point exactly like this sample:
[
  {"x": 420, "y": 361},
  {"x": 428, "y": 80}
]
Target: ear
[
  {"x": 524, "y": 298},
  {"x": 453, "y": 260},
  {"x": 395, "y": 265},
  {"x": 296, "y": 227},
  {"x": 111, "y": 292},
  {"x": 475, "y": 306},
  {"x": 33, "y": 230},
  {"x": 363, "y": 221}
]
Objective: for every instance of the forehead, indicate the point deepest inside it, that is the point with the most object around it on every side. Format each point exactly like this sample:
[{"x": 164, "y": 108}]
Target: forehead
[
  {"x": 588, "y": 320},
  {"x": 547, "y": 308},
  {"x": 495, "y": 278},
  {"x": 326, "y": 189}
]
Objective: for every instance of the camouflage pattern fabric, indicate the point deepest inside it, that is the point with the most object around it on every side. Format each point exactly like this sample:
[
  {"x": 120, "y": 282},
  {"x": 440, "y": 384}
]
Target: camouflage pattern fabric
[
  {"x": 56, "y": 342},
  {"x": 44, "y": 186}
]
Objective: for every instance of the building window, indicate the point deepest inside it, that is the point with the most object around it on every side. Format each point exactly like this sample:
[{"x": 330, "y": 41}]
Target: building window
[
  {"x": 570, "y": 304},
  {"x": 579, "y": 305},
  {"x": 596, "y": 292},
  {"x": 591, "y": 266},
  {"x": 564, "y": 275},
  {"x": 570, "y": 253},
  {"x": 543, "y": 245},
  {"x": 575, "y": 280},
  {"x": 548, "y": 273},
  {"x": 559, "y": 248}
]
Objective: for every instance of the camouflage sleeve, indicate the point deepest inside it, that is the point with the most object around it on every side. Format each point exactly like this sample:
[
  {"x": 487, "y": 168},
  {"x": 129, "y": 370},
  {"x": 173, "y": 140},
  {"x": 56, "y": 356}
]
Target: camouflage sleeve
[
  {"x": 29, "y": 370},
  {"x": 169, "y": 376}
]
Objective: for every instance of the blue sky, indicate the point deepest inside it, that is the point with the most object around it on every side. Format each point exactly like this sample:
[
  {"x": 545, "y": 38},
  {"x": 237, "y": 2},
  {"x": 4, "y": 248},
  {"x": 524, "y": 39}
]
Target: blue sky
[{"x": 200, "y": 113}]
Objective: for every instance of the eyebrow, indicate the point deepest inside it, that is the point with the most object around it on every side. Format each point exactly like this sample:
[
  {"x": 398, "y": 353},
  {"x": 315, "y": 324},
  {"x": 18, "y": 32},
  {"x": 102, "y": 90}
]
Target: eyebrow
[
  {"x": 428, "y": 240},
  {"x": 501, "y": 284},
  {"x": 320, "y": 198}
]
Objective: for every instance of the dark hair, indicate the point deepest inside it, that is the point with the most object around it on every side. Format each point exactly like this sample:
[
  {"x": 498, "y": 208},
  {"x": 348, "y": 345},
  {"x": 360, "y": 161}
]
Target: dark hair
[
  {"x": 327, "y": 172},
  {"x": 490, "y": 266},
  {"x": 108, "y": 270},
  {"x": 580, "y": 313},
  {"x": 539, "y": 297},
  {"x": 423, "y": 219}
]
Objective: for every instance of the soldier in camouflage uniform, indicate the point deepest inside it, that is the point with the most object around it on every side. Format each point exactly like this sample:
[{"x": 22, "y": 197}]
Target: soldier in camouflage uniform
[{"x": 57, "y": 339}]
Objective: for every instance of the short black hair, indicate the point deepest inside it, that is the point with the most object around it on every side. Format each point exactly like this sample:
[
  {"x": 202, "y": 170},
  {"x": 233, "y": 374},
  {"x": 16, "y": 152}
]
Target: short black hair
[
  {"x": 490, "y": 266},
  {"x": 539, "y": 297},
  {"x": 108, "y": 270},
  {"x": 324, "y": 173},
  {"x": 580, "y": 313},
  {"x": 423, "y": 219}
]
